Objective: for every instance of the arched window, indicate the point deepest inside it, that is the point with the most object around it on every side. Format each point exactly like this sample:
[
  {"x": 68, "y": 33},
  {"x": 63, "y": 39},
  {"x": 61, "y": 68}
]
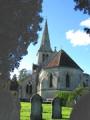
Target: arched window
[
  {"x": 47, "y": 56},
  {"x": 87, "y": 82},
  {"x": 29, "y": 88},
  {"x": 43, "y": 57},
  {"x": 67, "y": 81},
  {"x": 51, "y": 82}
]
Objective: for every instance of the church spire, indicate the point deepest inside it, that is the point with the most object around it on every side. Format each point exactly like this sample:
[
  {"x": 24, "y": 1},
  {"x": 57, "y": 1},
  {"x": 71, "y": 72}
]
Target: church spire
[{"x": 45, "y": 43}]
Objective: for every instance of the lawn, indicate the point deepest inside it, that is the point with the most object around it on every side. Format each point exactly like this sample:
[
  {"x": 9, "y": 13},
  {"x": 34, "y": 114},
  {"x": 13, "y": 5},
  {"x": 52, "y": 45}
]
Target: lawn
[{"x": 47, "y": 108}]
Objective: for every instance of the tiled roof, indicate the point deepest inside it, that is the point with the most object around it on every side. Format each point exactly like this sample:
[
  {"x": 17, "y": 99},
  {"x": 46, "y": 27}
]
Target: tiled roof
[{"x": 62, "y": 59}]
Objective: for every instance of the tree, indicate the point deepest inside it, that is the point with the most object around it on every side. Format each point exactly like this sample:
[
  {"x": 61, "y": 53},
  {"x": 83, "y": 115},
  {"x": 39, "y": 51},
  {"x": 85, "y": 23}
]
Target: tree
[
  {"x": 23, "y": 74},
  {"x": 14, "y": 83},
  {"x": 87, "y": 30},
  {"x": 84, "y": 6},
  {"x": 19, "y": 25}
]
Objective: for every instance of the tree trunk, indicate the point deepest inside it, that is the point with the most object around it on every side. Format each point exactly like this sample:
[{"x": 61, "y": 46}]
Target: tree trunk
[{"x": 9, "y": 103}]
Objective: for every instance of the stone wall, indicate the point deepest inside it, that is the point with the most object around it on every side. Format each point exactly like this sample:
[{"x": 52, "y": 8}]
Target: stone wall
[
  {"x": 22, "y": 88},
  {"x": 58, "y": 80},
  {"x": 48, "y": 93}
]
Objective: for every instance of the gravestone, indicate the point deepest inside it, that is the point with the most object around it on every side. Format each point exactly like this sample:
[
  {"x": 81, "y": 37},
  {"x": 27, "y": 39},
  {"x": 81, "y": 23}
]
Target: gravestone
[
  {"x": 36, "y": 107},
  {"x": 81, "y": 110},
  {"x": 56, "y": 108}
]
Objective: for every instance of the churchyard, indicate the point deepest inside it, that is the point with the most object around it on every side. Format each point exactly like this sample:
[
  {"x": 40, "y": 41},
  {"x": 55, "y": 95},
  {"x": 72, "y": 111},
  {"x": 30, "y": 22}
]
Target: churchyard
[
  {"x": 48, "y": 111},
  {"x": 47, "y": 108}
]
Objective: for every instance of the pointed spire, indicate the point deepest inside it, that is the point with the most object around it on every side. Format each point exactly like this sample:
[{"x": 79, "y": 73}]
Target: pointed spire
[{"x": 45, "y": 43}]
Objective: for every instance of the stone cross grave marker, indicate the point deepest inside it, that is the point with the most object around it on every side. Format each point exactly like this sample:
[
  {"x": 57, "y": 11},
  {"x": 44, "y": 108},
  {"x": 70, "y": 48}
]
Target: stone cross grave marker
[
  {"x": 56, "y": 108},
  {"x": 36, "y": 107}
]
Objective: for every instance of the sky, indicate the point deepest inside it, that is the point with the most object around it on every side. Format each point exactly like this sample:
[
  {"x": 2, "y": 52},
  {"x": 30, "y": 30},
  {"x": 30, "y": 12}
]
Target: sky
[{"x": 65, "y": 27}]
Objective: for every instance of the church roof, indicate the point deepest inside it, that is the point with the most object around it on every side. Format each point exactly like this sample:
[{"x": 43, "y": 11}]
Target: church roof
[
  {"x": 62, "y": 59},
  {"x": 45, "y": 43}
]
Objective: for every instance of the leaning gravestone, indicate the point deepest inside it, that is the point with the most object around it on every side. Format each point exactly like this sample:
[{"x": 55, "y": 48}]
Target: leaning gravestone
[
  {"x": 9, "y": 104},
  {"x": 36, "y": 107},
  {"x": 81, "y": 110},
  {"x": 56, "y": 108}
]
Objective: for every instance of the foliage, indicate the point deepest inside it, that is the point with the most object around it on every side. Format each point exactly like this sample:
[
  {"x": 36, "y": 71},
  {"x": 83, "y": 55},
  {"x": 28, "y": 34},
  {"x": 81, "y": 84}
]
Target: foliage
[
  {"x": 19, "y": 25},
  {"x": 83, "y": 5},
  {"x": 87, "y": 30},
  {"x": 78, "y": 91},
  {"x": 66, "y": 96},
  {"x": 74, "y": 96},
  {"x": 63, "y": 94},
  {"x": 71, "y": 97},
  {"x": 23, "y": 74},
  {"x": 14, "y": 83}
]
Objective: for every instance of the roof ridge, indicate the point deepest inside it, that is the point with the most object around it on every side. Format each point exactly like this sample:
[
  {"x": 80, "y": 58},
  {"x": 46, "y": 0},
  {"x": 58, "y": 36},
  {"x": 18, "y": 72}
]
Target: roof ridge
[
  {"x": 60, "y": 56},
  {"x": 71, "y": 58},
  {"x": 62, "y": 59}
]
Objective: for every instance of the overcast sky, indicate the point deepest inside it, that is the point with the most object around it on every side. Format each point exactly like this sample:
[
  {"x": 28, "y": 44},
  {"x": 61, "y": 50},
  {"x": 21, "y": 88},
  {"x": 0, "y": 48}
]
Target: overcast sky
[{"x": 66, "y": 32}]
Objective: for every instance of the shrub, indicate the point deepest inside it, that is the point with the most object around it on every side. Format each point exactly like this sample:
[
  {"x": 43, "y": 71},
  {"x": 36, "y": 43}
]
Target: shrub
[{"x": 65, "y": 96}]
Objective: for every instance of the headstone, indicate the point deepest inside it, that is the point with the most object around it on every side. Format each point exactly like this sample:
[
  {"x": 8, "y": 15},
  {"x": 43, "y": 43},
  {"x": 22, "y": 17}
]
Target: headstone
[
  {"x": 56, "y": 108},
  {"x": 36, "y": 107},
  {"x": 81, "y": 110}
]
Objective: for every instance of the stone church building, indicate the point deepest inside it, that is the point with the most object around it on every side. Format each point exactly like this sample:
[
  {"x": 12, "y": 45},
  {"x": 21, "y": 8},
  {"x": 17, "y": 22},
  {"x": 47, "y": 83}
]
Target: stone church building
[{"x": 55, "y": 71}]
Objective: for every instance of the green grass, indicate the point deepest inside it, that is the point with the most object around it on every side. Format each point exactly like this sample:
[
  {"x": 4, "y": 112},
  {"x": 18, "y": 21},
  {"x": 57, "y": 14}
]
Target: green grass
[{"x": 47, "y": 109}]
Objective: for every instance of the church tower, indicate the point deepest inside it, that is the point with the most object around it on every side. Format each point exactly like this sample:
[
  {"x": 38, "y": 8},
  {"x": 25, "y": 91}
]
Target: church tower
[{"x": 45, "y": 48}]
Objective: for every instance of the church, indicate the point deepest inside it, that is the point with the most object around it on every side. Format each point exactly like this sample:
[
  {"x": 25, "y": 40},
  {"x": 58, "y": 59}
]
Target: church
[{"x": 55, "y": 71}]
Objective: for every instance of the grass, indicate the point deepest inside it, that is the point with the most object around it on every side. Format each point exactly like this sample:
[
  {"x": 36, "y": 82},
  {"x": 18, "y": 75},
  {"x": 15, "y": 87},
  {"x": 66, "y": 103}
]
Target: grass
[{"x": 47, "y": 108}]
